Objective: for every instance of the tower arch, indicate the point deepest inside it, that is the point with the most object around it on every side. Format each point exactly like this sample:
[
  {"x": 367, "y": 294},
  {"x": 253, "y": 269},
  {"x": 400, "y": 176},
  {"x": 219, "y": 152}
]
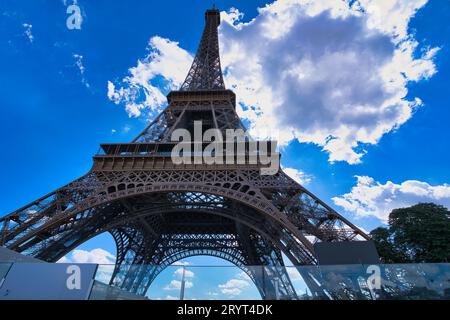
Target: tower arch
[{"x": 157, "y": 209}]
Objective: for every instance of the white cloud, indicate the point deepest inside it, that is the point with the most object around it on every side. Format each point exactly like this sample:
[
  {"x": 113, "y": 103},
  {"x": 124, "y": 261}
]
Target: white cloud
[
  {"x": 178, "y": 273},
  {"x": 79, "y": 63},
  {"x": 371, "y": 198},
  {"x": 137, "y": 91},
  {"x": 176, "y": 285},
  {"x": 28, "y": 31},
  {"x": 234, "y": 283},
  {"x": 391, "y": 16},
  {"x": 233, "y": 287},
  {"x": 180, "y": 263},
  {"x": 298, "y": 175},
  {"x": 98, "y": 256},
  {"x": 323, "y": 72},
  {"x": 326, "y": 73},
  {"x": 231, "y": 292},
  {"x": 187, "y": 273}
]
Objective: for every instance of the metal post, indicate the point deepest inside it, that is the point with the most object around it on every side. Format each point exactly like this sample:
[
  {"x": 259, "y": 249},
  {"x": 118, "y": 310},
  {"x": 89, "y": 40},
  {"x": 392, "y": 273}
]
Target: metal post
[{"x": 182, "y": 284}]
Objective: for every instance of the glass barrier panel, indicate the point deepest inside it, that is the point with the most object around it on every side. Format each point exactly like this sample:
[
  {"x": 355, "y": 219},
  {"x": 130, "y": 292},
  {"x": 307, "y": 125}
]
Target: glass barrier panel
[
  {"x": 4, "y": 268},
  {"x": 220, "y": 283},
  {"x": 165, "y": 283},
  {"x": 333, "y": 282}
]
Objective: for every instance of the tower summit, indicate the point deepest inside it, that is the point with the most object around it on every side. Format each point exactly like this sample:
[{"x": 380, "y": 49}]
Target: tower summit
[
  {"x": 160, "y": 212},
  {"x": 205, "y": 72}
]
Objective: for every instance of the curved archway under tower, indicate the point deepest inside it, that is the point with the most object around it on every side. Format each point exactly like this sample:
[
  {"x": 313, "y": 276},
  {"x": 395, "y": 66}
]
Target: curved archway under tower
[
  {"x": 168, "y": 231},
  {"x": 203, "y": 278}
]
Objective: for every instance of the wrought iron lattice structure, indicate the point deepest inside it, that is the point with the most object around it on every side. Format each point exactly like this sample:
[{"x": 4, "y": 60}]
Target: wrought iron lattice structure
[
  {"x": 205, "y": 72},
  {"x": 160, "y": 212}
]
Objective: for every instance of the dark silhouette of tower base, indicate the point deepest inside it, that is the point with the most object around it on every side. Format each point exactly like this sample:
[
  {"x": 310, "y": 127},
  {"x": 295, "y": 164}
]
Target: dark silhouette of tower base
[{"x": 160, "y": 212}]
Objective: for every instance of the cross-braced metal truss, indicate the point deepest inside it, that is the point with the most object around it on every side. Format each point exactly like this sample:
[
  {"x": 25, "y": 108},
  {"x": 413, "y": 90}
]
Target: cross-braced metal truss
[
  {"x": 205, "y": 72},
  {"x": 160, "y": 212},
  {"x": 172, "y": 207}
]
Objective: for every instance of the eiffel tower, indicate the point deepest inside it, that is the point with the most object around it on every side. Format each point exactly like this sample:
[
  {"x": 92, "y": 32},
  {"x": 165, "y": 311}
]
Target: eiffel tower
[{"x": 160, "y": 212}]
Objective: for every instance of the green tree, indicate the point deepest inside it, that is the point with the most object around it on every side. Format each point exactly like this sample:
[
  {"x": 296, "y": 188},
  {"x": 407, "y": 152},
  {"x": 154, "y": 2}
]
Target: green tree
[{"x": 420, "y": 233}]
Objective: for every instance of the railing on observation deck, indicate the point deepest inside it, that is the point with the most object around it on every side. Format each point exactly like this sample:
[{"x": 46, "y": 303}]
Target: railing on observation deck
[{"x": 166, "y": 148}]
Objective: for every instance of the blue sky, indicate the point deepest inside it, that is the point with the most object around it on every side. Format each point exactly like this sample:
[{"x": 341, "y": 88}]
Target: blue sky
[{"x": 60, "y": 92}]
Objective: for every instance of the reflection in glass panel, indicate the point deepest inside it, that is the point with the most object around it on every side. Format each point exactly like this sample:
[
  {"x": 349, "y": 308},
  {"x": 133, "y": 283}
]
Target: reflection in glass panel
[
  {"x": 218, "y": 282},
  {"x": 4, "y": 268}
]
